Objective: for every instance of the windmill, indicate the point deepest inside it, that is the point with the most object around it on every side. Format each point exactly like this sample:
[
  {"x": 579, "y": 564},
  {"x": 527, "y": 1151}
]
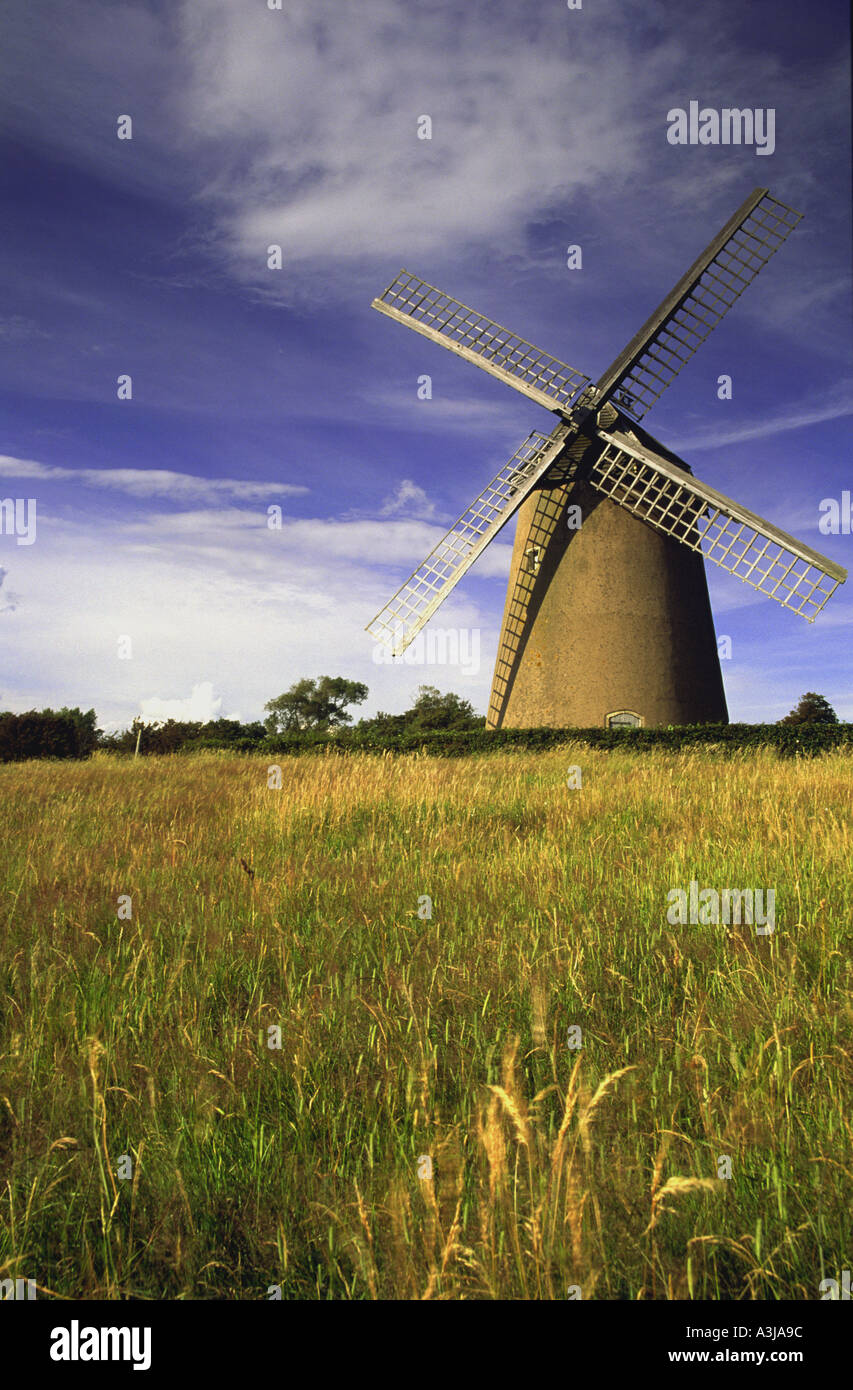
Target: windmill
[{"x": 608, "y": 623}]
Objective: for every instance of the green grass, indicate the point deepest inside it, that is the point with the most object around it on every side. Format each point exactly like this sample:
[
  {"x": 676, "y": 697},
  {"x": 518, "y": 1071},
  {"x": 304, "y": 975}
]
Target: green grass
[{"x": 402, "y": 1037}]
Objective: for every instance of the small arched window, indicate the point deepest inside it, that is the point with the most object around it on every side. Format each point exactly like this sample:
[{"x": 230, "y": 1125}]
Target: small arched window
[{"x": 623, "y": 719}]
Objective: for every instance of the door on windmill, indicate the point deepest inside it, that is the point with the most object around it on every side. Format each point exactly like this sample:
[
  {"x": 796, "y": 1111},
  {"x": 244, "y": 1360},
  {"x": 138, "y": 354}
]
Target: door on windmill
[{"x": 623, "y": 719}]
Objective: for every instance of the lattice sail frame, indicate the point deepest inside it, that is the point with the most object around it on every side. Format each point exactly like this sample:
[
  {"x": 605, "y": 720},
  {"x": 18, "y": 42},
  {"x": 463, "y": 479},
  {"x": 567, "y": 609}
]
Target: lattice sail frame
[
  {"x": 480, "y": 340},
  {"x": 414, "y": 603},
  {"x": 745, "y": 545},
  {"x": 698, "y": 302}
]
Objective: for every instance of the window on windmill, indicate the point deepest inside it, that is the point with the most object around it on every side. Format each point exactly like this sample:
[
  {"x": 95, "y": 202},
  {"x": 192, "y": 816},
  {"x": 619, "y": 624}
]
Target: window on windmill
[
  {"x": 532, "y": 556},
  {"x": 623, "y": 719}
]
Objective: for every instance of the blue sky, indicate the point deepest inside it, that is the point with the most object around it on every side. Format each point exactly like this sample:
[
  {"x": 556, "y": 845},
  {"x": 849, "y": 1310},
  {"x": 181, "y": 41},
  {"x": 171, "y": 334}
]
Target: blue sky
[{"x": 254, "y": 387}]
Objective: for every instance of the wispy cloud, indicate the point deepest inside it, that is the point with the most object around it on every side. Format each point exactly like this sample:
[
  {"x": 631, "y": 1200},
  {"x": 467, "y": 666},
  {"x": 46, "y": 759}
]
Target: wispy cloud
[
  {"x": 323, "y": 544},
  {"x": 148, "y": 482},
  {"x": 8, "y": 600},
  {"x": 467, "y": 414},
  {"x": 348, "y": 179},
  {"x": 17, "y": 328},
  {"x": 834, "y": 407}
]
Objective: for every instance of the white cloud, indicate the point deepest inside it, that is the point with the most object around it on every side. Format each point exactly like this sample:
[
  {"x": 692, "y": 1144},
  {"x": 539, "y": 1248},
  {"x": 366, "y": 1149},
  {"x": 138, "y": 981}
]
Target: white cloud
[
  {"x": 238, "y": 609},
  {"x": 199, "y": 707},
  {"x": 313, "y": 112},
  {"x": 409, "y": 498}
]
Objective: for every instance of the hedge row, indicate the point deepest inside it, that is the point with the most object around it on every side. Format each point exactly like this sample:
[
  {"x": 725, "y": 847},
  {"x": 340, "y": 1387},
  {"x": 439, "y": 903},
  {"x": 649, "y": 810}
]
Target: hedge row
[
  {"x": 69, "y": 733},
  {"x": 182, "y": 736},
  {"x": 72, "y": 734},
  {"x": 790, "y": 740}
]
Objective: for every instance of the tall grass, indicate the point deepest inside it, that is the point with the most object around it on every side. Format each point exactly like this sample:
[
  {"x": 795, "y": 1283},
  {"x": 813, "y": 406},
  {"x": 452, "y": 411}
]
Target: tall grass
[{"x": 555, "y": 1170}]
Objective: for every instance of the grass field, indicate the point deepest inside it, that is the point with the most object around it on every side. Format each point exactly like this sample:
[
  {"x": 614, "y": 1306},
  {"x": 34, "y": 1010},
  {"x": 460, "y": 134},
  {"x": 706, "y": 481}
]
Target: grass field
[{"x": 141, "y": 1046}]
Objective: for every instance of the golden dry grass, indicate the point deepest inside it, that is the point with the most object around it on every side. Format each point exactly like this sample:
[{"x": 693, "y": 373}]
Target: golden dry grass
[{"x": 555, "y": 1170}]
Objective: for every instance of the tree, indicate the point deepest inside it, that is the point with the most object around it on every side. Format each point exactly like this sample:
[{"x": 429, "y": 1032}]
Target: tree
[
  {"x": 432, "y": 710},
  {"x": 88, "y": 733},
  {"x": 383, "y": 723},
  {"x": 812, "y": 709},
  {"x": 314, "y": 704}
]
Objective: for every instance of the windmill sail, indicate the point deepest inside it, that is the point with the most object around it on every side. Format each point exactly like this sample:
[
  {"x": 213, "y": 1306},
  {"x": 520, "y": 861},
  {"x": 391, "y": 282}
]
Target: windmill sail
[
  {"x": 503, "y": 354},
  {"x": 753, "y": 550},
  {"x": 679, "y": 326},
  {"x": 413, "y": 605}
]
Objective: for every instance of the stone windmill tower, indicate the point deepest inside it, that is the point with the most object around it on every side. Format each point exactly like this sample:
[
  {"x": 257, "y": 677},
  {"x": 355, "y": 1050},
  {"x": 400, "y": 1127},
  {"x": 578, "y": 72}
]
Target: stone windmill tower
[{"x": 607, "y": 619}]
